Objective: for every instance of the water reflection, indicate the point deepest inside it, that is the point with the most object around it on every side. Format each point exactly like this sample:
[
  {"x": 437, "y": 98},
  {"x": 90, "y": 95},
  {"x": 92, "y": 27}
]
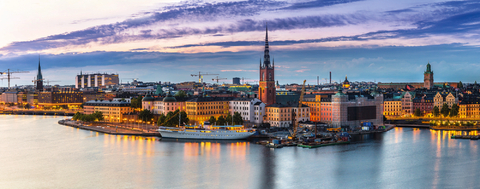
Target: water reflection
[{"x": 52, "y": 156}]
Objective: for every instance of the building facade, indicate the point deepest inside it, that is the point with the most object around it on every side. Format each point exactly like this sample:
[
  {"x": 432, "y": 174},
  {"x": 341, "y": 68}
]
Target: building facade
[
  {"x": 112, "y": 111},
  {"x": 352, "y": 110},
  {"x": 266, "y": 89},
  {"x": 201, "y": 109},
  {"x": 246, "y": 108},
  {"x": 392, "y": 108},
  {"x": 95, "y": 80},
  {"x": 279, "y": 115}
]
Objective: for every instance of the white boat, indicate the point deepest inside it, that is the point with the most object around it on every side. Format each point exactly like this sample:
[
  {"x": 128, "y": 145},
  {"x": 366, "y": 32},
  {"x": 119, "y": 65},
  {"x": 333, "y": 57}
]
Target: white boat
[{"x": 224, "y": 132}]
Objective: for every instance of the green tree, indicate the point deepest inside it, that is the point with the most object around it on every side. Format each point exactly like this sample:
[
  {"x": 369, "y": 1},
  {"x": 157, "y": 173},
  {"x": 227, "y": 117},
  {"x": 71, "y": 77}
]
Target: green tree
[
  {"x": 77, "y": 116},
  {"x": 136, "y": 102},
  {"x": 145, "y": 115},
  {"x": 180, "y": 94},
  {"x": 229, "y": 119},
  {"x": 445, "y": 110},
  {"x": 221, "y": 120},
  {"x": 98, "y": 116},
  {"x": 237, "y": 119},
  {"x": 460, "y": 85},
  {"x": 418, "y": 113},
  {"x": 454, "y": 110},
  {"x": 161, "y": 120},
  {"x": 436, "y": 111},
  {"x": 172, "y": 118},
  {"x": 212, "y": 120}
]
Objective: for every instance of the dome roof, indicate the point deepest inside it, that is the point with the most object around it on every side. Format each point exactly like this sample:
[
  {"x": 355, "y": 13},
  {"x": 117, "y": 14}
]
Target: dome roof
[
  {"x": 169, "y": 98},
  {"x": 148, "y": 98}
]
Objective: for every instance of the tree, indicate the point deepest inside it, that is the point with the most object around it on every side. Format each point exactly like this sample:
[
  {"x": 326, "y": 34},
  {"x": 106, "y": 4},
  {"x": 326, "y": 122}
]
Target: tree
[
  {"x": 161, "y": 120},
  {"x": 237, "y": 119},
  {"x": 436, "y": 111},
  {"x": 445, "y": 110},
  {"x": 454, "y": 110},
  {"x": 418, "y": 113},
  {"x": 136, "y": 102},
  {"x": 145, "y": 115},
  {"x": 27, "y": 106},
  {"x": 229, "y": 119},
  {"x": 77, "y": 116},
  {"x": 172, "y": 118},
  {"x": 180, "y": 94},
  {"x": 460, "y": 85},
  {"x": 98, "y": 116},
  {"x": 221, "y": 120},
  {"x": 212, "y": 120}
]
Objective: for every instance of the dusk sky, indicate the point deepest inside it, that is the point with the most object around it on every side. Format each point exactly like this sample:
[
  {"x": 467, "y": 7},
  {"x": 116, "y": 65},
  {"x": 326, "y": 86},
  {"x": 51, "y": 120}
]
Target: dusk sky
[{"x": 167, "y": 40}]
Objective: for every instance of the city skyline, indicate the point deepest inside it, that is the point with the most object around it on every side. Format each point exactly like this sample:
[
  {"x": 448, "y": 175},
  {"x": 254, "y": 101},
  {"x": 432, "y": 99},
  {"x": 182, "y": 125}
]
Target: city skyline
[{"x": 366, "y": 40}]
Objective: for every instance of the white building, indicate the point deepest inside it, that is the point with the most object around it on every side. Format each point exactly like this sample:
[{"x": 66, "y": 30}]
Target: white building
[
  {"x": 251, "y": 109},
  {"x": 9, "y": 97}
]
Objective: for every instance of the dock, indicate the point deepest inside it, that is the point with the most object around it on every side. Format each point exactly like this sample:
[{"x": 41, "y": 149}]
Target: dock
[{"x": 471, "y": 137}]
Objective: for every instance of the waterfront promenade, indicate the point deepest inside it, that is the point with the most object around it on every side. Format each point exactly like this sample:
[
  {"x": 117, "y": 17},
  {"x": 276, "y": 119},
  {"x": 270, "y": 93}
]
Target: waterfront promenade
[{"x": 113, "y": 128}]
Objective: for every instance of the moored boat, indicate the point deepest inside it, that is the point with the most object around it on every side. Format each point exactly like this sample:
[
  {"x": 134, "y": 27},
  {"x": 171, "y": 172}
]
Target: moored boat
[{"x": 208, "y": 132}]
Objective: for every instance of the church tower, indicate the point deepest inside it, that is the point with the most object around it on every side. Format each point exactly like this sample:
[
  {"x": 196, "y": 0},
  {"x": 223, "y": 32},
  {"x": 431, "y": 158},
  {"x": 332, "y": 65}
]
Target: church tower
[
  {"x": 267, "y": 91},
  {"x": 428, "y": 77},
  {"x": 39, "y": 77}
]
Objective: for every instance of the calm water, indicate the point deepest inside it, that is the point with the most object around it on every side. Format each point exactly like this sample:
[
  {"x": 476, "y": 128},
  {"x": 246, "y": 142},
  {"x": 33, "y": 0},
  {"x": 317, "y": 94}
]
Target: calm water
[{"x": 36, "y": 152}]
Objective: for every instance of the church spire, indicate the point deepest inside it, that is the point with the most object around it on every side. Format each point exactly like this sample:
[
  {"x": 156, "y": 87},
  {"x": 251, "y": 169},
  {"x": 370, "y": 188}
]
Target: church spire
[
  {"x": 39, "y": 73},
  {"x": 266, "y": 55}
]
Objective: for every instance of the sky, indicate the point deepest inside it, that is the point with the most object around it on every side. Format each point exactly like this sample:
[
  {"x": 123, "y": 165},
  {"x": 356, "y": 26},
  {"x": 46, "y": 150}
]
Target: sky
[{"x": 168, "y": 40}]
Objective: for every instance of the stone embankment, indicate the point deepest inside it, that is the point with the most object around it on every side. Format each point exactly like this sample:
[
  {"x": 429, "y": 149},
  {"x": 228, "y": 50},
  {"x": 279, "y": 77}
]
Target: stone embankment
[{"x": 108, "y": 129}]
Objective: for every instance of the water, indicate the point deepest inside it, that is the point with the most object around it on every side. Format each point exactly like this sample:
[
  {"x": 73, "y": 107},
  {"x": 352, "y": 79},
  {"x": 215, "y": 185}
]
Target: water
[{"x": 36, "y": 152}]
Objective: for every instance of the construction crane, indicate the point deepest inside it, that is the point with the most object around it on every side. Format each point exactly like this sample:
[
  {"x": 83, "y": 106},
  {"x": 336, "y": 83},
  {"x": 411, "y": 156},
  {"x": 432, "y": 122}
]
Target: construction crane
[
  {"x": 218, "y": 79},
  {"x": 200, "y": 76},
  {"x": 295, "y": 125},
  {"x": 9, "y": 75}
]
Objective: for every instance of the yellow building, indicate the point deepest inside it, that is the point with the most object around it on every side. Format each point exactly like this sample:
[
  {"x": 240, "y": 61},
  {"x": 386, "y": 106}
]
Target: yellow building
[
  {"x": 392, "y": 108},
  {"x": 278, "y": 115},
  {"x": 469, "y": 108},
  {"x": 201, "y": 109},
  {"x": 112, "y": 111}
]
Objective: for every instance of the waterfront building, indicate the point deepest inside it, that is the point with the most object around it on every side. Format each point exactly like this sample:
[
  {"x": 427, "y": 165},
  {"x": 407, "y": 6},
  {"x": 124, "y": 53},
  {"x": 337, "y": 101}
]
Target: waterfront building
[
  {"x": 39, "y": 79},
  {"x": 201, "y": 109},
  {"x": 95, "y": 80},
  {"x": 392, "y": 107},
  {"x": 428, "y": 77},
  {"x": 407, "y": 103},
  {"x": 280, "y": 115},
  {"x": 112, "y": 110},
  {"x": 246, "y": 108},
  {"x": 9, "y": 97},
  {"x": 469, "y": 107},
  {"x": 66, "y": 98},
  {"x": 163, "y": 105},
  {"x": 444, "y": 97},
  {"x": 353, "y": 109},
  {"x": 266, "y": 89},
  {"x": 424, "y": 103}
]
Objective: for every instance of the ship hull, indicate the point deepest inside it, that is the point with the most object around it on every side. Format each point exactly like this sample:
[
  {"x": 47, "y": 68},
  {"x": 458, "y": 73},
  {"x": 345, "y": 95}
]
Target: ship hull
[{"x": 210, "y": 135}]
